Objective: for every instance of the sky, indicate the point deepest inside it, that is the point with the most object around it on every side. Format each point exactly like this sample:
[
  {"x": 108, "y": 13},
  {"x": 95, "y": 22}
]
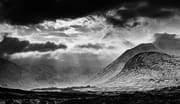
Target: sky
[{"x": 78, "y": 38}]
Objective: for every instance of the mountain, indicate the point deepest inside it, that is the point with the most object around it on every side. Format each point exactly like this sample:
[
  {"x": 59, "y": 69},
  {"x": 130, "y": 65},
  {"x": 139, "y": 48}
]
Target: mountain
[
  {"x": 148, "y": 69},
  {"x": 51, "y": 89},
  {"x": 16, "y": 75},
  {"x": 10, "y": 73},
  {"x": 115, "y": 67}
]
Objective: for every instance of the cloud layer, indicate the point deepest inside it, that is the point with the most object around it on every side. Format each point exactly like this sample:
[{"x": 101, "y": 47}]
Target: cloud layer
[
  {"x": 168, "y": 42},
  {"x": 149, "y": 9},
  {"x": 35, "y": 11},
  {"x": 13, "y": 45}
]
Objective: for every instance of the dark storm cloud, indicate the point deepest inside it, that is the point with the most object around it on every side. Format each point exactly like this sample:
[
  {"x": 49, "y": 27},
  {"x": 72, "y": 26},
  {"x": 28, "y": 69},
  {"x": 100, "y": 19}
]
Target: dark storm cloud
[
  {"x": 168, "y": 42},
  {"x": 147, "y": 8},
  {"x": 11, "y": 45},
  {"x": 91, "y": 46},
  {"x": 34, "y": 11}
]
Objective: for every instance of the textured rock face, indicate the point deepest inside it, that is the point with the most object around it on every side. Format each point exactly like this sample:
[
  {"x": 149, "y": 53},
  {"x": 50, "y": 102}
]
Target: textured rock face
[
  {"x": 151, "y": 61},
  {"x": 148, "y": 68},
  {"x": 116, "y": 66}
]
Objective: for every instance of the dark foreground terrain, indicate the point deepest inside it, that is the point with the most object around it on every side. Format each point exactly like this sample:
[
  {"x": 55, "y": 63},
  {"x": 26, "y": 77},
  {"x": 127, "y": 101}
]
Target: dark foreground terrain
[{"x": 163, "y": 96}]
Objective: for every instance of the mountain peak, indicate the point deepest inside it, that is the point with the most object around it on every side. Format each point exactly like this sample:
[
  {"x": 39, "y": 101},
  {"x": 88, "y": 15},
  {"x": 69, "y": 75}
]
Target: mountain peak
[{"x": 147, "y": 47}]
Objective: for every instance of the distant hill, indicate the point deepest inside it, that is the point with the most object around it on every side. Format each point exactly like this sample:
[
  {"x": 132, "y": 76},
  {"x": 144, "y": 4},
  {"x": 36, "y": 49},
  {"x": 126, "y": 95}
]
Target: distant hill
[
  {"x": 10, "y": 73},
  {"x": 55, "y": 89},
  {"x": 47, "y": 89},
  {"x": 15, "y": 75}
]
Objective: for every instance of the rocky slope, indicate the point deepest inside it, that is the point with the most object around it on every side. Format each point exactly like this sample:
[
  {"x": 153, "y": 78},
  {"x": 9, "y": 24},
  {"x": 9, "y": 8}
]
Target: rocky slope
[
  {"x": 148, "y": 69},
  {"x": 115, "y": 67}
]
